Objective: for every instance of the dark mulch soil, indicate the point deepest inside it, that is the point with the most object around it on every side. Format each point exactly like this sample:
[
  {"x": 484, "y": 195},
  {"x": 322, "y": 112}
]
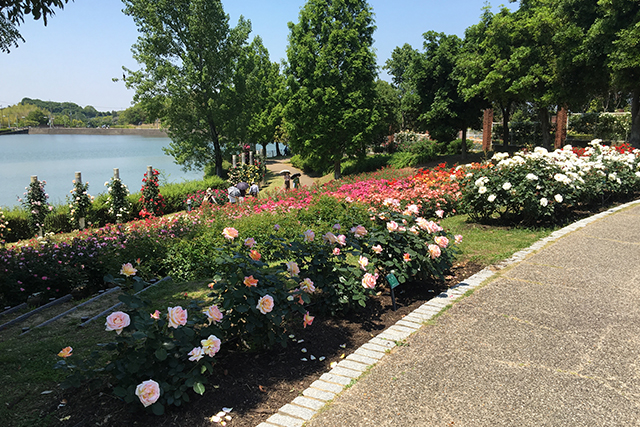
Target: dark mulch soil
[{"x": 257, "y": 385}]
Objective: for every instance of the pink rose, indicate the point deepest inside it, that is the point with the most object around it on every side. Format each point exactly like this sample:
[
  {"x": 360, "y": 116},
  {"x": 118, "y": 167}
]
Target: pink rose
[
  {"x": 363, "y": 261},
  {"x": 177, "y": 317},
  {"x": 439, "y": 213},
  {"x": 458, "y": 238},
  {"x": 155, "y": 315},
  {"x": 265, "y": 304},
  {"x": 369, "y": 280},
  {"x": 148, "y": 392},
  {"x": 377, "y": 249},
  {"x": 330, "y": 238},
  {"x": 406, "y": 257},
  {"x": 249, "y": 242},
  {"x": 342, "y": 239},
  {"x": 392, "y": 226},
  {"x": 230, "y": 233},
  {"x": 336, "y": 251},
  {"x": 213, "y": 314},
  {"x": 117, "y": 321}
]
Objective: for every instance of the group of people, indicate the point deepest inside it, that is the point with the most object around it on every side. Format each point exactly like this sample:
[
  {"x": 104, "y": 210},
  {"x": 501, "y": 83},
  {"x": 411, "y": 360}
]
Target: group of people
[{"x": 238, "y": 192}]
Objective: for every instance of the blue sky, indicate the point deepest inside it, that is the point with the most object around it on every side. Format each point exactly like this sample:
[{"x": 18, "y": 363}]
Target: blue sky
[{"x": 84, "y": 46}]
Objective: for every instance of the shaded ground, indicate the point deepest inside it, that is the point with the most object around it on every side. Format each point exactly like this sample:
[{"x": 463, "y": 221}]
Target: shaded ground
[{"x": 257, "y": 385}]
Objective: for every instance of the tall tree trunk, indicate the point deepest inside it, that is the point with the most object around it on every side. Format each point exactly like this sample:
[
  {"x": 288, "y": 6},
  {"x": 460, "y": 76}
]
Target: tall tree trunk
[
  {"x": 505, "y": 123},
  {"x": 264, "y": 150},
  {"x": 463, "y": 150},
  {"x": 278, "y": 149},
  {"x": 545, "y": 127},
  {"x": 634, "y": 136},
  {"x": 217, "y": 152},
  {"x": 336, "y": 168}
]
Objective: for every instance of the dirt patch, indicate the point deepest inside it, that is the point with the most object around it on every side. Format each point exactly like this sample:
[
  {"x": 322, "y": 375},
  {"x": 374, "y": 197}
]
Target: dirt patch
[{"x": 257, "y": 385}]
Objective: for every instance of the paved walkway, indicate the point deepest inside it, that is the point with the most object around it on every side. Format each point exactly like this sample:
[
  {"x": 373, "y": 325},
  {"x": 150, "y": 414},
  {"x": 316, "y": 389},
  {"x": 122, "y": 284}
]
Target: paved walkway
[
  {"x": 553, "y": 339},
  {"x": 276, "y": 166}
]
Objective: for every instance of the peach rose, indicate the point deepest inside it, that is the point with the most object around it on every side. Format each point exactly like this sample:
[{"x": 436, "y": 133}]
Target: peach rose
[
  {"x": 250, "y": 281},
  {"x": 363, "y": 261},
  {"x": 330, "y": 238},
  {"x": 392, "y": 226},
  {"x": 359, "y": 231},
  {"x": 406, "y": 257},
  {"x": 211, "y": 345},
  {"x": 230, "y": 233},
  {"x": 66, "y": 352},
  {"x": 265, "y": 304},
  {"x": 307, "y": 286},
  {"x": 309, "y": 235},
  {"x": 255, "y": 255},
  {"x": 148, "y": 392},
  {"x": 369, "y": 280},
  {"x": 441, "y": 241},
  {"x": 249, "y": 242},
  {"x": 434, "y": 251},
  {"x": 196, "y": 354},
  {"x": 308, "y": 320},
  {"x": 128, "y": 270},
  {"x": 342, "y": 239},
  {"x": 117, "y": 321},
  {"x": 155, "y": 315},
  {"x": 177, "y": 317},
  {"x": 213, "y": 314},
  {"x": 458, "y": 238},
  {"x": 292, "y": 268},
  {"x": 377, "y": 249}
]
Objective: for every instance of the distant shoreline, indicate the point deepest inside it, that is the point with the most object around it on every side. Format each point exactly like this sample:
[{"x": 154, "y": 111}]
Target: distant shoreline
[{"x": 98, "y": 131}]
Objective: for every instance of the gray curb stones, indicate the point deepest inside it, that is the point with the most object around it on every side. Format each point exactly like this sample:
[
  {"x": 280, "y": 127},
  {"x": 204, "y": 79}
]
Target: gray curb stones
[{"x": 330, "y": 384}]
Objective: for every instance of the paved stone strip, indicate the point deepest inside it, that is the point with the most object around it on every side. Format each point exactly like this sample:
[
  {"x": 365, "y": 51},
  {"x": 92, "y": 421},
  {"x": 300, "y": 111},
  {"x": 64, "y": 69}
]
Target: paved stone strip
[{"x": 320, "y": 392}]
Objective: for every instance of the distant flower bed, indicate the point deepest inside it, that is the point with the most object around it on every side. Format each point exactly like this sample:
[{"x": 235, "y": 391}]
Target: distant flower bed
[{"x": 540, "y": 185}]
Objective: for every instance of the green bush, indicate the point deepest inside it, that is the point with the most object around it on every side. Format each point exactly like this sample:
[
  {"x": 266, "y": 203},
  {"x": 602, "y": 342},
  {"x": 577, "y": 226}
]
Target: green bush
[
  {"x": 311, "y": 164},
  {"x": 366, "y": 164},
  {"x": 454, "y": 147}
]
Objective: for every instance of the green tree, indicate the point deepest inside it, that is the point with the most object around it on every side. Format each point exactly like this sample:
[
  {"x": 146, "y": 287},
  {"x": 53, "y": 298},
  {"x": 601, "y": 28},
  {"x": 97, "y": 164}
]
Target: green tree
[
  {"x": 444, "y": 111},
  {"x": 255, "y": 95},
  {"x": 37, "y": 117},
  {"x": 133, "y": 115},
  {"x": 332, "y": 73},
  {"x": 487, "y": 65},
  {"x": 617, "y": 30},
  {"x": 398, "y": 67},
  {"x": 189, "y": 53},
  {"x": 387, "y": 106},
  {"x": 12, "y": 14}
]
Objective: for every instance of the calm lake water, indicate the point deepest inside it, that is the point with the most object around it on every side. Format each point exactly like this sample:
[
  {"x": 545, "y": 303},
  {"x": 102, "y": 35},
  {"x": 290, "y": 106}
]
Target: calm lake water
[{"x": 56, "y": 158}]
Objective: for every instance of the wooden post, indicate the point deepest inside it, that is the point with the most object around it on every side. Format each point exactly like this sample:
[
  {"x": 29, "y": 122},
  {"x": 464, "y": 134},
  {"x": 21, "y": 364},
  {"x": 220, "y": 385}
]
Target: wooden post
[
  {"x": 34, "y": 178},
  {"x": 486, "y": 129},
  {"x": 80, "y": 220},
  {"x": 116, "y": 173},
  {"x": 561, "y": 128},
  {"x": 149, "y": 171}
]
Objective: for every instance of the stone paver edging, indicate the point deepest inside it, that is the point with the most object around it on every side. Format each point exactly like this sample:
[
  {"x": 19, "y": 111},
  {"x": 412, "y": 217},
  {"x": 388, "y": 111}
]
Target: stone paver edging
[{"x": 330, "y": 384}]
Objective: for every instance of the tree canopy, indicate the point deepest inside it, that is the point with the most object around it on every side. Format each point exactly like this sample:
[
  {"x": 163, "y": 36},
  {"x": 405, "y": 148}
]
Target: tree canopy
[
  {"x": 12, "y": 13},
  {"x": 332, "y": 74},
  {"x": 189, "y": 54}
]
